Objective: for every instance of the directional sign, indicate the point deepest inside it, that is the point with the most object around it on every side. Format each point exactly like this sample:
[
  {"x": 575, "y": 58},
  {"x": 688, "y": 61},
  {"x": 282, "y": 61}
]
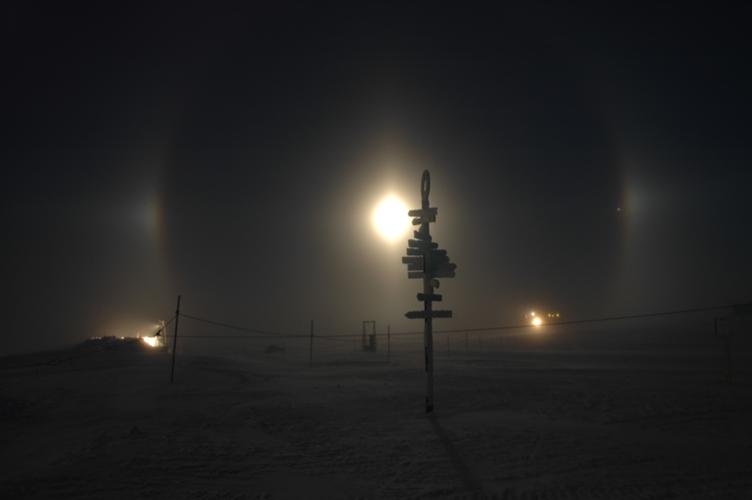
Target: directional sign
[
  {"x": 434, "y": 296},
  {"x": 425, "y": 213},
  {"x": 439, "y": 265},
  {"x": 437, "y": 270},
  {"x": 433, "y": 314},
  {"x": 438, "y": 260},
  {"x": 418, "y": 259},
  {"x": 423, "y": 216},
  {"x": 416, "y": 251},
  {"x": 444, "y": 268},
  {"x": 422, "y": 235},
  {"x": 442, "y": 274},
  {"x": 421, "y": 244},
  {"x": 416, "y": 275}
]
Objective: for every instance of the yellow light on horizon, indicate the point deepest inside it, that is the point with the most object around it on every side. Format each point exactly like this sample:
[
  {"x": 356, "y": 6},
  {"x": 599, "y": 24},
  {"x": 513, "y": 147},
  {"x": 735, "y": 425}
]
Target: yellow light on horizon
[
  {"x": 536, "y": 321},
  {"x": 390, "y": 219},
  {"x": 151, "y": 341}
]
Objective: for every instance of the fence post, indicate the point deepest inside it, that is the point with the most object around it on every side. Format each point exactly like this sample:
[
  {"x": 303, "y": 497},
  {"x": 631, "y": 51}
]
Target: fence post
[
  {"x": 388, "y": 342},
  {"x": 175, "y": 341},
  {"x": 310, "y": 350},
  {"x": 726, "y": 342},
  {"x": 729, "y": 366}
]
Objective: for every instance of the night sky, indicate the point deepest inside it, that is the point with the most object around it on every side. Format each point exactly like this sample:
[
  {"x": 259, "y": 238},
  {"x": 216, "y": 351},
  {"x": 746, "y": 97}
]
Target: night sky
[{"x": 587, "y": 161}]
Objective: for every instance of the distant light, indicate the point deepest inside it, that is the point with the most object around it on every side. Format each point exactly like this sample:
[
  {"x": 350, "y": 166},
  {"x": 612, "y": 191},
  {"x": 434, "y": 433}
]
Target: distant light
[
  {"x": 532, "y": 313},
  {"x": 151, "y": 341},
  {"x": 536, "y": 321},
  {"x": 390, "y": 218}
]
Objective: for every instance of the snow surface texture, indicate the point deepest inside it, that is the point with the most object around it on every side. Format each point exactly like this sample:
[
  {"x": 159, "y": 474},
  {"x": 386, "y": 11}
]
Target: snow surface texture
[{"x": 259, "y": 424}]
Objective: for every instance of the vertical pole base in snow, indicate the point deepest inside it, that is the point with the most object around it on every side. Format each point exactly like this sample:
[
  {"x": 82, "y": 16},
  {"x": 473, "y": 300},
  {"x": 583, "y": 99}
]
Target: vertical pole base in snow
[
  {"x": 388, "y": 342},
  {"x": 428, "y": 346},
  {"x": 310, "y": 349},
  {"x": 175, "y": 341}
]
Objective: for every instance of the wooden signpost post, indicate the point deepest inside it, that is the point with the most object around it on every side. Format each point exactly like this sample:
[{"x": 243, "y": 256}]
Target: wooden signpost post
[{"x": 426, "y": 261}]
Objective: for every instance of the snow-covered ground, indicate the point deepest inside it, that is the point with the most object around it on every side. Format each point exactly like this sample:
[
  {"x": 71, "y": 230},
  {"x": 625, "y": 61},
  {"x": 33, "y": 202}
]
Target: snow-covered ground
[{"x": 544, "y": 425}]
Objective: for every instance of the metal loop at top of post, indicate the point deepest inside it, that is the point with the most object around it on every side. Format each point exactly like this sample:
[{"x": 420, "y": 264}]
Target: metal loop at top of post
[{"x": 425, "y": 187}]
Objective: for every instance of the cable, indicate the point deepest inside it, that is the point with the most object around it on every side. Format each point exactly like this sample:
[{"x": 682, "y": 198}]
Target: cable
[
  {"x": 232, "y": 327},
  {"x": 247, "y": 337},
  {"x": 570, "y": 322},
  {"x": 261, "y": 334},
  {"x": 592, "y": 320}
]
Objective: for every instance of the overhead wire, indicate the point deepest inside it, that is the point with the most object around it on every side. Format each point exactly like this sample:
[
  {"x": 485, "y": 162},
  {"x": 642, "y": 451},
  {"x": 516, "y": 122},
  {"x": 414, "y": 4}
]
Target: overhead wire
[{"x": 264, "y": 334}]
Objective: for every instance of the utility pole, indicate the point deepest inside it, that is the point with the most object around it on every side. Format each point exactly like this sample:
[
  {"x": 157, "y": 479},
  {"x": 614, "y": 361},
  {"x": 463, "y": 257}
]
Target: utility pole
[
  {"x": 175, "y": 341},
  {"x": 163, "y": 333},
  {"x": 427, "y": 262}
]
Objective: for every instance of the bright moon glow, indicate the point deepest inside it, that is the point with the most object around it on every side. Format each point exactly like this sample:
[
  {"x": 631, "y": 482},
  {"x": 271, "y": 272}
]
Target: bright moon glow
[
  {"x": 390, "y": 218},
  {"x": 536, "y": 321}
]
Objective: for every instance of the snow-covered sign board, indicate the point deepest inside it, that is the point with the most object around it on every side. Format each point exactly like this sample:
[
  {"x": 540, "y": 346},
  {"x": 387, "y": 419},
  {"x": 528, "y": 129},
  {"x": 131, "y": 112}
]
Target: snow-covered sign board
[
  {"x": 426, "y": 261},
  {"x": 424, "y": 314}
]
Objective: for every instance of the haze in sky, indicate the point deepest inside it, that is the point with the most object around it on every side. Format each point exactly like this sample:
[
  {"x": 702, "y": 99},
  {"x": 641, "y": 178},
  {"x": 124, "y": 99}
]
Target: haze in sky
[{"x": 591, "y": 162}]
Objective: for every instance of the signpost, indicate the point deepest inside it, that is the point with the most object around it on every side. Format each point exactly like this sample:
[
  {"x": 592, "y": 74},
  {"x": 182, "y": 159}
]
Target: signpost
[
  {"x": 426, "y": 261},
  {"x": 175, "y": 341}
]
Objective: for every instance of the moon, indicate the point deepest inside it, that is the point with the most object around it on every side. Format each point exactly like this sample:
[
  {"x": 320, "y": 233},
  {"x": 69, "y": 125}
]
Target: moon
[{"x": 390, "y": 219}]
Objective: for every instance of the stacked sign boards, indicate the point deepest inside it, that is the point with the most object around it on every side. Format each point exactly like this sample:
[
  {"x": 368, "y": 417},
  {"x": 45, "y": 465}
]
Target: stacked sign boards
[{"x": 425, "y": 260}]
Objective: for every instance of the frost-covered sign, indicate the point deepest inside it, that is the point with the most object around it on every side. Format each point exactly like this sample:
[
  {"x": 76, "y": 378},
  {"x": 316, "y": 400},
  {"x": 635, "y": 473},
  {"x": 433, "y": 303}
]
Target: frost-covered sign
[{"x": 426, "y": 261}]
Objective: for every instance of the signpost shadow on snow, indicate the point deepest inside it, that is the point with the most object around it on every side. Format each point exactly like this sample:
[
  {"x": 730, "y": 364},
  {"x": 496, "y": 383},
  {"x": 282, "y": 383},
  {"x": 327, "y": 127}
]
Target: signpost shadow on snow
[{"x": 469, "y": 480}]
